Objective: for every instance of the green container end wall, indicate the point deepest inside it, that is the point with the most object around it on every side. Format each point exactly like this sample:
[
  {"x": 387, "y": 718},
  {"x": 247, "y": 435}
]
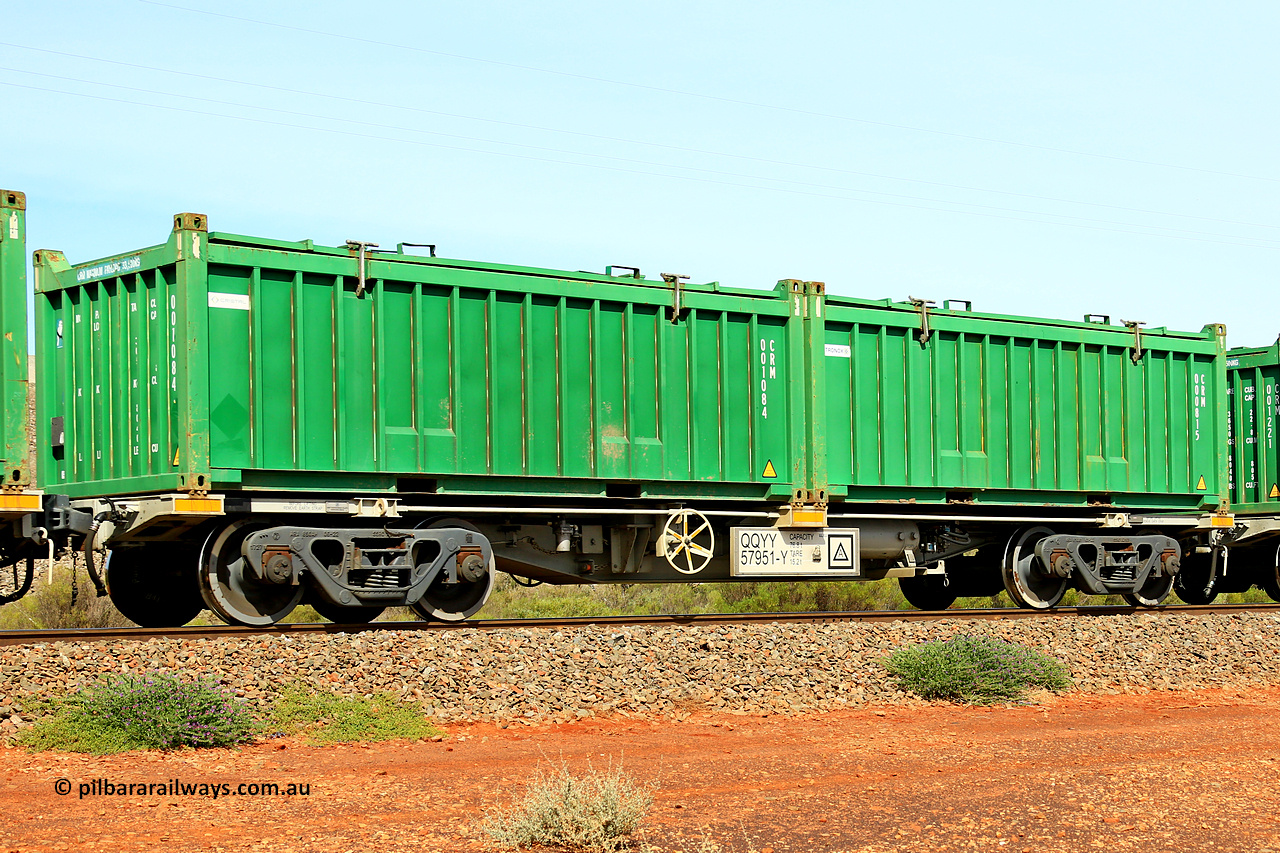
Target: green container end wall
[
  {"x": 1254, "y": 404},
  {"x": 256, "y": 364},
  {"x": 1011, "y": 409},
  {"x": 13, "y": 338}
]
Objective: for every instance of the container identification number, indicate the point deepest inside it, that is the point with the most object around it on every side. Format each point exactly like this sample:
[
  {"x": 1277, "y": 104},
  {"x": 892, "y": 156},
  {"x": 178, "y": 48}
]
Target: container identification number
[{"x": 768, "y": 370}]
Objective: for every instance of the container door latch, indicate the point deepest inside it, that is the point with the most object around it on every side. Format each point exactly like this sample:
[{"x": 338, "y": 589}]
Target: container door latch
[
  {"x": 923, "y": 306},
  {"x": 362, "y": 261},
  {"x": 1135, "y": 326},
  {"x": 676, "y": 293}
]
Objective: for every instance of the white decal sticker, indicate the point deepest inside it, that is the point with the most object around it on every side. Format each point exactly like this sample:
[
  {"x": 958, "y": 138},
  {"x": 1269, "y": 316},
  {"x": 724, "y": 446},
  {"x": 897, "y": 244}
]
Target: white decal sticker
[
  {"x": 110, "y": 268},
  {"x": 768, "y": 370},
  {"x": 238, "y": 301},
  {"x": 794, "y": 552},
  {"x": 1199, "y": 399},
  {"x": 13, "y": 225},
  {"x": 839, "y": 351}
]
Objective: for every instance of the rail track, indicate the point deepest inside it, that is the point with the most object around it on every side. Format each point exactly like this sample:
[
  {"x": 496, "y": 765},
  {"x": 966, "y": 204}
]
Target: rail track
[{"x": 28, "y": 637}]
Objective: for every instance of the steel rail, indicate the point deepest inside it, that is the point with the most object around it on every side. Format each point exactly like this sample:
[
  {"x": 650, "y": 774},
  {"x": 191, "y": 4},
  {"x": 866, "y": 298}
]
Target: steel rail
[{"x": 28, "y": 637}]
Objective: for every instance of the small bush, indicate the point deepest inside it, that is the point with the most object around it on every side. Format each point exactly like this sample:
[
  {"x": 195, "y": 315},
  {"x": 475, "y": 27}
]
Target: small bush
[
  {"x": 595, "y": 812},
  {"x": 159, "y": 711},
  {"x": 329, "y": 718},
  {"x": 978, "y": 670},
  {"x": 49, "y": 605}
]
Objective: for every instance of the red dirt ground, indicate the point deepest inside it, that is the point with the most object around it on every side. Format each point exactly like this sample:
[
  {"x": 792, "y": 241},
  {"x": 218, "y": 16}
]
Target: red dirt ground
[{"x": 1171, "y": 771}]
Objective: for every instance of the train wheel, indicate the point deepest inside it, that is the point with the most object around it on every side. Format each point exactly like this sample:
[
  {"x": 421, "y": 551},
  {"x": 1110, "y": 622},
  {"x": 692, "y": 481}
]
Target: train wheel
[
  {"x": 154, "y": 585},
  {"x": 1271, "y": 576},
  {"x": 1197, "y": 583},
  {"x": 927, "y": 592},
  {"x": 1025, "y": 579},
  {"x": 454, "y": 602},
  {"x": 230, "y": 587},
  {"x": 343, "y": 615},
  {"x": 1153, "y": 593}
]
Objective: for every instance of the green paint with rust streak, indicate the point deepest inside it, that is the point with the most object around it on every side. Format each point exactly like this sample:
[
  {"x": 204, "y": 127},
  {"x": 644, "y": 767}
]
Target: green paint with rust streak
[{"x": 13, "y": 337}]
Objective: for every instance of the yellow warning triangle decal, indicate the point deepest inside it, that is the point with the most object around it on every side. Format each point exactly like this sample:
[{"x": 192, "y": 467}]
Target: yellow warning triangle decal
[
  {"x": 1200, "y": 486},
  {"x": 1274, "y": 493},
  {"x": 769, "y": 472}
]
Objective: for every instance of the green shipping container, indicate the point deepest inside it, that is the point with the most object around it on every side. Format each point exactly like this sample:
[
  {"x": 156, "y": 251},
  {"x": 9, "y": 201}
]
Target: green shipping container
[
  {"x": 13, "y": 343},
  {"x": 223, "y": 362},
  {"x": 1253, "y": 375},
  {"x": 931, "y": 404}
]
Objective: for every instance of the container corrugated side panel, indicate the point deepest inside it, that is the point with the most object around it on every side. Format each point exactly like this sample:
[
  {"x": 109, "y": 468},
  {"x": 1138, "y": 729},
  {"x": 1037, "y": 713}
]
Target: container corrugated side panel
[
  {"x": 112, "y": 362},
  {"x": 14, "y": 429},
  {"x": 1253, "y": 376},
  {"x": 1018, "y": 410},
  {"x": 502, "y": 379}
]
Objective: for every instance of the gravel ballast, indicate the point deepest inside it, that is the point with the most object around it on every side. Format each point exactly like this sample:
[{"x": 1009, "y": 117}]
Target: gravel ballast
[{"x": 539, "y": 675}]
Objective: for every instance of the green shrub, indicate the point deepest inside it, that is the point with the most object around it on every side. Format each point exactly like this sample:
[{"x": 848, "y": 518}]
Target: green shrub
[
  {"x": 159, "y": 711},
  {"x": 329, "y": 718},
  {"x": 49, "y": 605},
  {"x": 978, "y": 670},
  {"x": 595, "y": 812}
]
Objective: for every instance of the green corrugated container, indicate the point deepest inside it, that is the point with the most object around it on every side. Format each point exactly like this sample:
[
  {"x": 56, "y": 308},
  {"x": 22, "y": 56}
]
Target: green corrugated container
[
  {"x": 936, "y": 404},
  {"x": 13, "y": 343},
  {"x": 226, "y": 362},
  {"x": 1253, "y": 375},
  {"x": 223, "y": 362}
]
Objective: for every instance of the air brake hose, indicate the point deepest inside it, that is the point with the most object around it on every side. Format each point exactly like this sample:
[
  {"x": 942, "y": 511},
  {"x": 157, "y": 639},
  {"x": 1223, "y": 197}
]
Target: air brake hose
[{"x": 89, "y": 562}]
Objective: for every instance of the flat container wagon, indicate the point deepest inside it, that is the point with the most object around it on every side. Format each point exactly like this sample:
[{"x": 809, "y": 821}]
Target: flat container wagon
[{"x": 247, "y": 424}]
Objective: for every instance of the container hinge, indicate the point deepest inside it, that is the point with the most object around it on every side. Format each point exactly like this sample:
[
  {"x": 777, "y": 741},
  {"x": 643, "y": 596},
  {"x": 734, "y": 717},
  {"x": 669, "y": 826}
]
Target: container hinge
[
  {"x": 362, "y": 261},
  {"x": 923, "y": 306},
  {"x": 1135, "y": 326},
  {"x": 676, "y": 293}
]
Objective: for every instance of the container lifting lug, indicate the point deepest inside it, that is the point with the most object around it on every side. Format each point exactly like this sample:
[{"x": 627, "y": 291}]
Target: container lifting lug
[
  {"x": 430, "y": 247},
  {"x": 1135, "y": 326},
  {"x": 362, "y": 261},
  {"x": 923, "y": 306},
  {"x": 676, "y": 293}
]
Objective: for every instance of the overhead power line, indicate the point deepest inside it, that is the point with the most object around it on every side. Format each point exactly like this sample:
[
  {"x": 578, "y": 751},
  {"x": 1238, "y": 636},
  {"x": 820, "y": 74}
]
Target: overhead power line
[
  {"x": 365, "y": 102},
  {"x": 1152, "y": 231},
  {"x": 707, "y": 96}
]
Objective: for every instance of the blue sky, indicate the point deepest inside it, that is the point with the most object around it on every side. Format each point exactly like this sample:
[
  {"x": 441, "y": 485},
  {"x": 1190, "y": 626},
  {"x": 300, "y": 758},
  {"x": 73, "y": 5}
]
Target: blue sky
[{"x": 1041, "y": 159}]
